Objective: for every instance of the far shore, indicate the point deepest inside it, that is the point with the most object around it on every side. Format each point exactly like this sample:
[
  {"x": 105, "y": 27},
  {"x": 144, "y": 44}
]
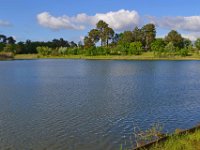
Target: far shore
[{"x": 144, "y": 56}]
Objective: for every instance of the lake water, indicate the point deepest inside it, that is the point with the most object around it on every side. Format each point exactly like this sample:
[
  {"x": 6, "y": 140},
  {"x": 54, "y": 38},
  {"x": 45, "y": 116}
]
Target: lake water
[{"x": 93, "y": 105}]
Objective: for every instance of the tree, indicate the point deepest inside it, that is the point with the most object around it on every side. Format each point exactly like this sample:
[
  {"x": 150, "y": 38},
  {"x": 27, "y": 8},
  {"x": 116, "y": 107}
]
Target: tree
[
  {"x": 2, "y": 45},
  {"x": 101, "y": 26},
  {"x": 187, "y": 43},
  {"x": 149, "y": 32},
  {"x": 80, "y": 44},
  {"x": 109, "y": 33},
  {"x": 197, "y": 43},
  {"x": 105, "y": 32},
  {"x": 176, "y": 39},
  {"x": 94, "y": 34},
  {"x": 60, "y": 43},
  {"x": 3, "y": 39},
  {"x": 158, "y": 46},
  {"x": 137, "y": 35},
  {"x": 135, "y": 48},
  {"x": 126, "y": 38},
  {"x": 184, "y": 52},
  {"x": 88, "y": 42},
  {"x": 13, "y": 48},
  {"x": 170, "y": 48},
  {"x": 73, "y": 44},
  {"x": 10, "y": 40}
]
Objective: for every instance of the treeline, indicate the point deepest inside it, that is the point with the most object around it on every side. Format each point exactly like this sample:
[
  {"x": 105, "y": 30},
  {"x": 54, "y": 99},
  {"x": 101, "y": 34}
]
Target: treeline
[
  {"x": 8, "y": 44},
  {"x": 103, "y": 40}
]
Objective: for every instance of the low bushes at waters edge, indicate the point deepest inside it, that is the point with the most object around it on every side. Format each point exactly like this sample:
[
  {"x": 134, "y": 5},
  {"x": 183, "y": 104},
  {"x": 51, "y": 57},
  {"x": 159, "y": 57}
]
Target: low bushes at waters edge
[{"x": 8, "y": 55}]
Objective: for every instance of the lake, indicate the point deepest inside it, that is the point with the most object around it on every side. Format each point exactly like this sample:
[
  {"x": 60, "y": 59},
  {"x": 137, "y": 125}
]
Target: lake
[{"x": 92, "y": 104}]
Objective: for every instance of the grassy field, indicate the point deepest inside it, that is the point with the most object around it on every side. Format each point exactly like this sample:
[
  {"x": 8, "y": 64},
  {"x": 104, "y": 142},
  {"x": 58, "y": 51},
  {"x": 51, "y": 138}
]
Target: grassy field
[
  {"x": 181, "y": 142},
  {"x": 144, "y": 56}
]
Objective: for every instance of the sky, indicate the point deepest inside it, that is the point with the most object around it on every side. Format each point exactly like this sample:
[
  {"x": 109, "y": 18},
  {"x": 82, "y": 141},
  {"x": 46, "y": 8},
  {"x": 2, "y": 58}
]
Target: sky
[{"x": 44, "y": 20}]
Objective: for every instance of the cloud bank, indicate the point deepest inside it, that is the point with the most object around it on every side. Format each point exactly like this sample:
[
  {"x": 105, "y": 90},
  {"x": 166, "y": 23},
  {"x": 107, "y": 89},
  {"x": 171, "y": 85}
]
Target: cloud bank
[
  {"x": 191, "y": 23},
  {"x": 118, "y": 20}
]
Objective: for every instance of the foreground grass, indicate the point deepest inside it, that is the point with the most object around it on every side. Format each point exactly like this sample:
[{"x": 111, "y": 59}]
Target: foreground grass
[
  {"x": 144, "y": 56},
  {"x": 180, "y": 142}
]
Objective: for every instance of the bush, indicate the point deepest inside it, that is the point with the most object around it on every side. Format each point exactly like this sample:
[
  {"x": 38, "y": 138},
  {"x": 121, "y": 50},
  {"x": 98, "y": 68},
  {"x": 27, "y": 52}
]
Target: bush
[
  {"x": 63, "y": 51},
  {"x": 44, "y": 50},
  {"x": 135, "y": 48},
  {"x": 101, "y": 51},
  {"x": 117, "y": 50},
  {"x": 73, "y": 51},
  {"x": 91, "y": 51},
  {"x": 6, "y": 55},
  {"x": 13, "y": 48},
  {"x": 170, "y": 49},
  {"x": 184, "y": 52}
]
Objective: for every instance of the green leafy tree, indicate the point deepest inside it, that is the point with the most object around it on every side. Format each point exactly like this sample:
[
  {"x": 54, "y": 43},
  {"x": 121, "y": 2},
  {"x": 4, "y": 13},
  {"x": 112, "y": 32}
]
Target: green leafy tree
[
  {"x": 116, "y": 38},
  {"x": 101, "y": 26},
  {"x": 126, "y": 38},
  {"x": 158, "y": 46},
  {"x": 170, "y": 49},
  {"x": 184, "y": 52},
  {"x": 2, "y": 45},
  {"x": 149, "y": 32},
  {"x": 135, "y": 48},
  {"x": 197, "y": 43},
  {"x": 176, "y": 38},
  {"x": 105, "y": 32},
  {"x": 187, "y": 43},
  {"x": 108, "y": 34},
  {"x": 9, "y": 48},
  {"x": 10, "y": 40},
  {"x": 88, "y": 42},
  {"x": 58, "y": 43},
  {"x": 73, "y": 44},
  {"x": 137, "y": 35},
  {"x": 94, "y": 34}
]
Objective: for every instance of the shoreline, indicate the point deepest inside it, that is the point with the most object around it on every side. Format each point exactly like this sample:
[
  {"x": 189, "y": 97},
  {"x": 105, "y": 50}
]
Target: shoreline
[
  {"x": 167, "y": 137},
  {"x": 108, "y": 57}
]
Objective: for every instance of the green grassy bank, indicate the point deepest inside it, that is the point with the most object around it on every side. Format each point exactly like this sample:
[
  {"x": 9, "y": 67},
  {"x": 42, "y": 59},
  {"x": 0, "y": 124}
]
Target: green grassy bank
[
  {"x": 144, "y": 56},
  {"x": 188, "y": 141}
]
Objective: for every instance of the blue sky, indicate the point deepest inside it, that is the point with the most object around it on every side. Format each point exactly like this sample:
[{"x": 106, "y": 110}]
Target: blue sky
[{"x": 48, "y": 19}]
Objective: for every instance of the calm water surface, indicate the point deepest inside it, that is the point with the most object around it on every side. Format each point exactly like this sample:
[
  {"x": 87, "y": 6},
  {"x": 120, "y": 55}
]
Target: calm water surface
[{"x": 93, "y": 105}]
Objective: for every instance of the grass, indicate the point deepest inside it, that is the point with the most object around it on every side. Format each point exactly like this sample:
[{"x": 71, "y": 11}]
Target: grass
[
  {"x": 26, "y": 56},
  {"x": 144, "y": 56},
  {"x": 180, "y": 142}
]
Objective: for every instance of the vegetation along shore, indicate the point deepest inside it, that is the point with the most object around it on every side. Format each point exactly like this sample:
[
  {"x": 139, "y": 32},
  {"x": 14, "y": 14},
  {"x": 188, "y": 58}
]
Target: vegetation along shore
[{"x": 103, "y": 43}]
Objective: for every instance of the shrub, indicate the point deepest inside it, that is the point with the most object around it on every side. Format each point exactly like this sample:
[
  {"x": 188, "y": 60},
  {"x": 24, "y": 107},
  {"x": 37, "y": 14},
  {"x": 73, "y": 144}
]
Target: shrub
[
  {"x": 63, "y": 51},
  {"x": 44, "y": 50},
  {"x": 6, "y": 55},
  {"x": 135, "y": 48},
  {"x": 184, "y": 52}
]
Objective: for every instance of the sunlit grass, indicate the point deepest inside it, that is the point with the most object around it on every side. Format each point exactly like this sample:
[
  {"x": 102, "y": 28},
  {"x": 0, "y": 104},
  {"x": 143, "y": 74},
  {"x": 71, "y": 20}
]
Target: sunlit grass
[
  {"x": 144, "y": 56},
  {"x": 180, "y": 142}
]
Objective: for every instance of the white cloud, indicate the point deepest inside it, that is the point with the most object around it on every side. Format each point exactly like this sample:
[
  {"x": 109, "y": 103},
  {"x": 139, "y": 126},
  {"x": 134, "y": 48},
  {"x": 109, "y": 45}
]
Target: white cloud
[
  {"x": 119, "y": 20},
  {"x": 4, "y": 23},
  {"x": 64, "y": 22},
  {"x": 192, "y": 36},
  {"x": 191, "y": 23}
]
